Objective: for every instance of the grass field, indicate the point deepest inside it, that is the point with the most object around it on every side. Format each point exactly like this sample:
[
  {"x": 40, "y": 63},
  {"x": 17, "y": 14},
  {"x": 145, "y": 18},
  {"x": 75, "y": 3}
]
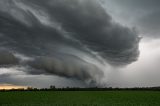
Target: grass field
[{"x": 80, "y": 98}]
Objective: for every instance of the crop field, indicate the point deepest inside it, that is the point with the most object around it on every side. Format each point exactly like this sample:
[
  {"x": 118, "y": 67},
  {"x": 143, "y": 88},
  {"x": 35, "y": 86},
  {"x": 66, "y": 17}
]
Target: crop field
[{"x": 80, "y": 98}]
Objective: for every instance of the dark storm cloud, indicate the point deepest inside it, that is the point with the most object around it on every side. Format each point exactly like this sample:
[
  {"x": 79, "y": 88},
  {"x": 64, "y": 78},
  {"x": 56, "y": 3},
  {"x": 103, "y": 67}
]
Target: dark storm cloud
[
  {"x": 62, "y": 37},
  {"x": 7, "y": 58},
  {"x": 67, "y": 66},
  {"x": 90, "y": 24}
]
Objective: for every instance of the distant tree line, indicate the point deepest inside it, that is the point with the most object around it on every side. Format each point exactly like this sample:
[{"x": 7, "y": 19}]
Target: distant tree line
[{"x": 53, "y": 88}]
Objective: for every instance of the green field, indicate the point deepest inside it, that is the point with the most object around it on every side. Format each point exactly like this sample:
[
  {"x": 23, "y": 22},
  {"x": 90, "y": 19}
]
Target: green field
[{"x": 80, "y": 98}]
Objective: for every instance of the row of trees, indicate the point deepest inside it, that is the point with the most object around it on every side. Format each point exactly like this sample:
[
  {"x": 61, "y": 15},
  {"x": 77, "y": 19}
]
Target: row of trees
[{"x": 53, "y": 88}]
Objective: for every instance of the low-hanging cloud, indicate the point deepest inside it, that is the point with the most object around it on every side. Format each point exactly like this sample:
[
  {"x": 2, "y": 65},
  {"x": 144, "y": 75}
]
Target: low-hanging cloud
[
  {"x": 7, "y": 58},
  {"x": 67, "y": 38},
  {"x": 69, "y": 67}
]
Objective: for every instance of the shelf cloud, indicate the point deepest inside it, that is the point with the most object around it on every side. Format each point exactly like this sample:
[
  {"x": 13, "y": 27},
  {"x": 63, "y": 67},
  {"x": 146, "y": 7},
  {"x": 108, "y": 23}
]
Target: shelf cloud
[{"x": 67, "y": 38}]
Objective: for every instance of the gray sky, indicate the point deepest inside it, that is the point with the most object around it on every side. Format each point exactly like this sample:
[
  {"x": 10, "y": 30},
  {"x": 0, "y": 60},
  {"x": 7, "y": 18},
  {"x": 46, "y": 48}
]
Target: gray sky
[{"x": 79, "y": 43}]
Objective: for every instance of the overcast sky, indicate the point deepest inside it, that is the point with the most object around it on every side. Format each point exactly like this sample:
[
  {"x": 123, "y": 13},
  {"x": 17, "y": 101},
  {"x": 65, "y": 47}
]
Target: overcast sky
[{"x": 104, "y": 43}]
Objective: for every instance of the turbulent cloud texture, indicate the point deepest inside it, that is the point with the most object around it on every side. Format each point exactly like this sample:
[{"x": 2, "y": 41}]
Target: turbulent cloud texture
[
  {"x": 68, "y": 38},
  {"x": 7, "y": 58}
]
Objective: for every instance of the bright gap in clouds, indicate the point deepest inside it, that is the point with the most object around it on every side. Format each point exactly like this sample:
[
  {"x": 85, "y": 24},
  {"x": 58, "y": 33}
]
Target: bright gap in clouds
[
  {"x": 11, "y": 86},
  {"x": 144, "y": 72}
]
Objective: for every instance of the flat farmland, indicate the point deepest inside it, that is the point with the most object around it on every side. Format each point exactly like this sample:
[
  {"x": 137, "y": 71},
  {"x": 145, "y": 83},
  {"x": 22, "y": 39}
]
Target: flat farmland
[{"x": 80, "y": 98}]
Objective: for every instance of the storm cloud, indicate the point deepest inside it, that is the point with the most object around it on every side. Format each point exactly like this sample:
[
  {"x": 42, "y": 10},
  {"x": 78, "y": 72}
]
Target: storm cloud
[
  {"x": 142, "y": 14},
  {"x": 7, "y": 58},
  {"x": 67, "y": 38}
]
